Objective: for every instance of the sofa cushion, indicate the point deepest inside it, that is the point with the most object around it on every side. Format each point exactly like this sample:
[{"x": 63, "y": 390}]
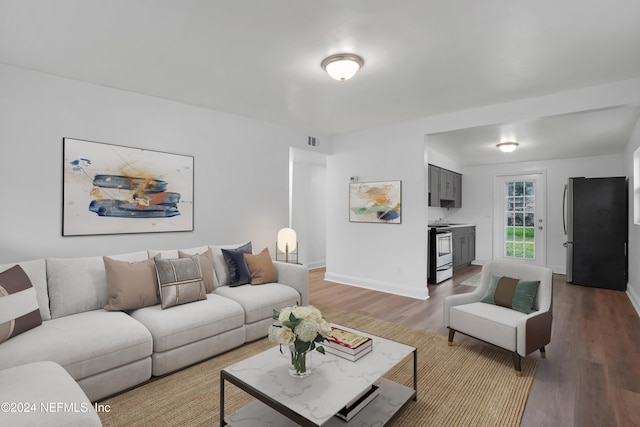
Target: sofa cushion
[
  {"x": 19, "y": 309},
  {"x": 206, "y": 265},
  {"x": 512, "y": 293},
  {"x": 238, "y": 270},
  {"x": 261, "y": 267},
  {"x": 184, "y": 324},
  {"x": 478, "y": 319},
  {"x": 173, "y": 253},
  {"x": 131, "y": 285},
  {"x": 44, "y": 384},
  {"x": 80, "y": 284},
  {"x": 180, "y": 280},
  {"x": 259, "y": 302},
  {"x": 84, "y": 344},
  {"x": 220, "y": 265},
  {"x": 37, "y": 272}
]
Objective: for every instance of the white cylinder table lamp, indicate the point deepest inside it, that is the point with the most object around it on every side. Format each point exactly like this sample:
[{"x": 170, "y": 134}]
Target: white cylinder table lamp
[{"x": 287, "y": 241}]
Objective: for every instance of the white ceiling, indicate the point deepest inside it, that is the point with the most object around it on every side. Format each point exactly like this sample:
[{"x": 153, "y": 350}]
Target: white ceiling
[
  {"x": 591, "y": 133},
  {"x": 261, "y": 58}
]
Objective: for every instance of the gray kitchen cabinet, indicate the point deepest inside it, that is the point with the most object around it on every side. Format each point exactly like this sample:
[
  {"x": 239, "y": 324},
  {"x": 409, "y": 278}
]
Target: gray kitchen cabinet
[
  {"x": 464, "y": 246},
  {"x": 434, "y": 185},
  {"x": 457, "y": 190},
  {"x": 445, "y": 188},
  {"x": 446, "y": 185}
]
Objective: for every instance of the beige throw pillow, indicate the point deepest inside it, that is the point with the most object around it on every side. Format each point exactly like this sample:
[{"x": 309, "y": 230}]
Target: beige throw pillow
[
  {"x": 206, "y": 265},
  {"x": 130, "y": 285},
  {"x": 261, "y": 267}
]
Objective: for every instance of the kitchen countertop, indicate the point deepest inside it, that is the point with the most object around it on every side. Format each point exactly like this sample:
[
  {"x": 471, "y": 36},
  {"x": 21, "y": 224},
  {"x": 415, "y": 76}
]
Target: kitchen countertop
[
  {"x": 459, "y": 225},
  {"x": 454, "y": 225}
]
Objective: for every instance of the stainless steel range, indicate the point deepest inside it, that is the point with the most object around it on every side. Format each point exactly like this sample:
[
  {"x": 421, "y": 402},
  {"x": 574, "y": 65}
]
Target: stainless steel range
[{"x": 440, "y": 259}]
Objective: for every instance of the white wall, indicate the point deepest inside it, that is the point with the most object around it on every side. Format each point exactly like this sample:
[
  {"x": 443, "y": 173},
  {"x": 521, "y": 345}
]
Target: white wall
[
  {"x": 478, "y": 189},
  {"x": 633, "y": 289},
  {"x": 387, "y": 257},
  {"x": 241, "y": 165}
]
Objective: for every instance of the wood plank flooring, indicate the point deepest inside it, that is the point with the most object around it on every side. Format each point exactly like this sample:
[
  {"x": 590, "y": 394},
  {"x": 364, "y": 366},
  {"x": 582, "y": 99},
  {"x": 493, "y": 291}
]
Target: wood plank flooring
[{"x": 591, "y": 376}]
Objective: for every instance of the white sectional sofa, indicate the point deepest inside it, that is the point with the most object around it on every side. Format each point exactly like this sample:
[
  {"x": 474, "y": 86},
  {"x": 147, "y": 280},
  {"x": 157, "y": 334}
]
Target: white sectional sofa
[
  {"x": 43, "y": 394},
  {"x": 108, "y": 351}
]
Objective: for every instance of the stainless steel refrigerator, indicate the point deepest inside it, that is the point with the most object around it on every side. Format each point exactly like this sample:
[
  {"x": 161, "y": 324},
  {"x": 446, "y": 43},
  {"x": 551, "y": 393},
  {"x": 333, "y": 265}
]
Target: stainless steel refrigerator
[{"x": 596, "y": 225}]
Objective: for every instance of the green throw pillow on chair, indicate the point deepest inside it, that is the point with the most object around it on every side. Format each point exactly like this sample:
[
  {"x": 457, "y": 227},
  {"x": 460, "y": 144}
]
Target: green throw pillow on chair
[{"x": 512, "y": 293}]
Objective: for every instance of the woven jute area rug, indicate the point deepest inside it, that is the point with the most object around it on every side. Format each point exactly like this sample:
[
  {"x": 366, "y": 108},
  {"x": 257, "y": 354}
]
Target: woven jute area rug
[{"x": 463, "y": 385}]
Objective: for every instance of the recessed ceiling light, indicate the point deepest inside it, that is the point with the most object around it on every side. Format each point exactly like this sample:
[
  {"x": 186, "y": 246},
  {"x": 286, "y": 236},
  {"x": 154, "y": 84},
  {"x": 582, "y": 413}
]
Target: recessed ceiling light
[
  {"x": 507, "y": 147},
  {"x": 342, "y": 66}
]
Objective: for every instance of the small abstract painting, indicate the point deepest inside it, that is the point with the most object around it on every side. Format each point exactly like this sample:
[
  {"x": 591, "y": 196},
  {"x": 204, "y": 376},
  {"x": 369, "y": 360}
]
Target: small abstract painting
[
  {"x": 378, "y": 202},
  {"x": 111, "y": 189}
]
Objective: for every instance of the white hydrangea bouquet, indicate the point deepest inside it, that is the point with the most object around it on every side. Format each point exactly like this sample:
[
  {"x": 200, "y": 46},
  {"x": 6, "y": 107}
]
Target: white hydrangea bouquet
[{"x": 302, "y": 329}]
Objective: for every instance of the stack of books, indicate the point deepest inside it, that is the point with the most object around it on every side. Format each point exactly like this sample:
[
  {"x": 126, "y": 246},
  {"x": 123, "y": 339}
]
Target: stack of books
[
  {"x": 347, "y": 344},
  {"x": 358, "y": 403}
]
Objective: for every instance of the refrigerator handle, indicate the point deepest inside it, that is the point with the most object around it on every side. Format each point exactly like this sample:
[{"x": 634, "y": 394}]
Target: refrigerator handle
[{"x": 564, "y": 210}]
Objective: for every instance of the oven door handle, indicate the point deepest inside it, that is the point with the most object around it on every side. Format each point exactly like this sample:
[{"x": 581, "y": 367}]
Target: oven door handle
[{"x": 444, "y": 267}]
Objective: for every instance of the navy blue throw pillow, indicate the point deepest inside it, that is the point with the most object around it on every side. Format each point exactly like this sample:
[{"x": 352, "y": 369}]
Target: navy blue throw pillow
[{"x": 238, "y": 269}]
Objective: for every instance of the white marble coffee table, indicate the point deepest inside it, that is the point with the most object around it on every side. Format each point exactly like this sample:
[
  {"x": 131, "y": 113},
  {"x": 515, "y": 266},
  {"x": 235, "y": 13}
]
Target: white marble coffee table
[{"x": 314, "y": 400}]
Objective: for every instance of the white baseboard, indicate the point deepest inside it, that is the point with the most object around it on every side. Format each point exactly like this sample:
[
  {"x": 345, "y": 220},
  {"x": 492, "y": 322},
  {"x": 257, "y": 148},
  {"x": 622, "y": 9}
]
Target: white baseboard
[
  {"x": 377, "y": 285},
  {"x": 315, "y": 264},
  {"x": 634, "y": 298}
]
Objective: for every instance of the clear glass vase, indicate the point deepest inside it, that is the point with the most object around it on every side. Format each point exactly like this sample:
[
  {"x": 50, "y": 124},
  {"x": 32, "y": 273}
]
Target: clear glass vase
[{"x": 299, "y": 362}]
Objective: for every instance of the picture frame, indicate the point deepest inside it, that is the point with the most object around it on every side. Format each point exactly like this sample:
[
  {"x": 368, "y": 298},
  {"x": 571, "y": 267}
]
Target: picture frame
[
  {"x": 377, "y": 202},
  {"x": 113, "y": 189}
]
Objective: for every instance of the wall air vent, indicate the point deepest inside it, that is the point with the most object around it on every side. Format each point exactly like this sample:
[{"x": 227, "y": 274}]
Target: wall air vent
[{"x": 313, "y": 141}]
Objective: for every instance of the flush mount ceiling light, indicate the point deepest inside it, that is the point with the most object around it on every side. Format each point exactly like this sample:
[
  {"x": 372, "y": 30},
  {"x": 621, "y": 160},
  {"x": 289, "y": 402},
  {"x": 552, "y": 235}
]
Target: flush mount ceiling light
[
  {"x": 342, "y": 66},
  {"x": 507, "y": 147}
]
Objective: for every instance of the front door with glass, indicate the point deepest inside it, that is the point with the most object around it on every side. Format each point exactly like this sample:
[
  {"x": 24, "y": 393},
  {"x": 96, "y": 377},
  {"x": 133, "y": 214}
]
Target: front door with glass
[{"x": 519, "y": 229}]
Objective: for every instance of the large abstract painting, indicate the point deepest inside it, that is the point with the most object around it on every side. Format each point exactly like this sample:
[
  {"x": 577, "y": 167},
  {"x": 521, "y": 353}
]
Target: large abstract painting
[
  {"x": 378, "y": 202},
  {"x": 111, "y": 189}
]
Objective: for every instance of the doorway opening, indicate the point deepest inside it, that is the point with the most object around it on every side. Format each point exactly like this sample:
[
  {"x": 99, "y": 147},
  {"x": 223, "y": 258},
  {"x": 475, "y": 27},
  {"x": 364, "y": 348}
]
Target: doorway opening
[{"x": 308, "y": 204}]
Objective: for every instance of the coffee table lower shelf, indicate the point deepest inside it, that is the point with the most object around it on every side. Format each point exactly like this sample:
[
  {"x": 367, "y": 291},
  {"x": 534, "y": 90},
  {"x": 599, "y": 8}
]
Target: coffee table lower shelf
[{"x": 392, "y": 398}]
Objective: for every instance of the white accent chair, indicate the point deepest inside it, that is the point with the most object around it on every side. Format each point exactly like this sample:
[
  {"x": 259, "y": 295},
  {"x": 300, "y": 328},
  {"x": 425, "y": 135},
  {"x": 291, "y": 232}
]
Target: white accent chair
[{"x": 509, "y": 329}]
